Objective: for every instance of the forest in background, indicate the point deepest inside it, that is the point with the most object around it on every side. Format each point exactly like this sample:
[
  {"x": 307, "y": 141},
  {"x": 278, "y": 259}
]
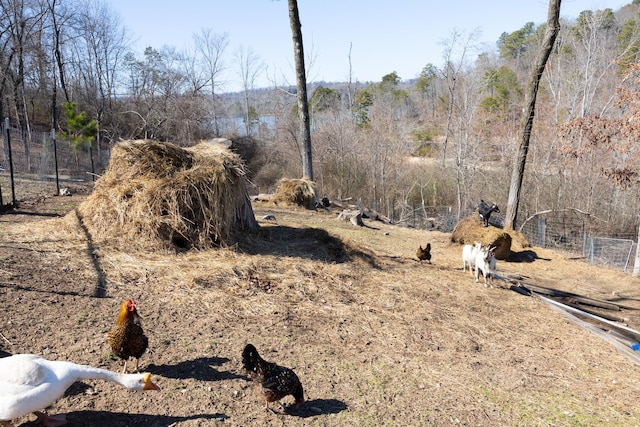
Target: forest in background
[{"x": 445, "y": 138}]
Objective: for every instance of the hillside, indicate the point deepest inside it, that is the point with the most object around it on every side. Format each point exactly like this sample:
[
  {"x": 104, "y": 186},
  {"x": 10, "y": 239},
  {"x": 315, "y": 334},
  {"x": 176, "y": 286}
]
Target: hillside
[{"x": 376, "y": 337}]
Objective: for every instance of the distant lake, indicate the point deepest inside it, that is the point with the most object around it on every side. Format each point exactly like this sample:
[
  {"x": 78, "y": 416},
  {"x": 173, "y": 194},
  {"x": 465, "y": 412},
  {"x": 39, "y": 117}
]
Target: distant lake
[{"x": 235, "y": 125}]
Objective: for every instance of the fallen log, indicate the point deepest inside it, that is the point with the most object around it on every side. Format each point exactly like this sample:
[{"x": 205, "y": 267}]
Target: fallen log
[
  {"x": 355, "y": 216},
  {"x": 366, "y": 212},
  {"x": 348, "y": 214},
  {"x": 375, "y": 215},
  {"x": 263, "y": 197}
]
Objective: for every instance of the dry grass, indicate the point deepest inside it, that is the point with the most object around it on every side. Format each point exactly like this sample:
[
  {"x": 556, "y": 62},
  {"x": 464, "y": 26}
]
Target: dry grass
[
  {"x": 295, "y": 192},
  {"x": 376, "y": 337},
  {"x": 158, "y": 195},
  {"x": 470, "y": 230}
]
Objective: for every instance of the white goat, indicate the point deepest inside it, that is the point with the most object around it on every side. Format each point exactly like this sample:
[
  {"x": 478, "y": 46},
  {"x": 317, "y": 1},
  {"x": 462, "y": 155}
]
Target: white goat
[
  {"x": 486, "y": 262},
  {"x": 469, "y": 253}
]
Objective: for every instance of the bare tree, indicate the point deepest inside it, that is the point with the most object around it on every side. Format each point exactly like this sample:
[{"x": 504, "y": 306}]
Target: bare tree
[
  {"x": 250, "y": 67},
  {"x": 351, "y": 91},
  {"x": 594, "y": 36},
  {"x": 98, "y": 55},
  {"x": 156, "y": 87},
  {"x": 301, "y": 80},
  {"x": 455, "y": 53},
  {"x": 556, "y": 75},
  {"x": 211, "y": 48},
  {"x": 465, "y": 146},
  {"x": 531, "y": 92},
  {"x": 21, "y": 20},
  {"x": 58, "y": 23}
]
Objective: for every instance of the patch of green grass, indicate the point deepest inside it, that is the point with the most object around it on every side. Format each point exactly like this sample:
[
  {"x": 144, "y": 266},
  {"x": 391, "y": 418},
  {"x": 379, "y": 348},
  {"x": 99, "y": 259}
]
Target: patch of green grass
[
  {"x": 107, "y": 357},
  {"x": 552, "y": 409}
]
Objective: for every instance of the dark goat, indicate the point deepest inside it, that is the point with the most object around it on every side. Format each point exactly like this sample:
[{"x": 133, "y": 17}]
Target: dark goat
[{"x": 485, "y": 211}]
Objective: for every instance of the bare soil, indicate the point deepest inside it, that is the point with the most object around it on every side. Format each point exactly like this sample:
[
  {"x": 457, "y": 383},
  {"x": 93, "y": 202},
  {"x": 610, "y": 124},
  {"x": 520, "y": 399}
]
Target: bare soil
[{"x": 376, "y": 337}]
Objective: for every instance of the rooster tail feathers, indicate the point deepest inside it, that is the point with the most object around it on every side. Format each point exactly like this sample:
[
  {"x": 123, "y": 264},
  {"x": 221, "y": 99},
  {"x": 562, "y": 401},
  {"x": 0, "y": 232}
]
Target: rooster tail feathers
[
  {"x": 298, "y": 394},
  {"x": 250, "y": 358},
  {"x": 428, "y": 248}
]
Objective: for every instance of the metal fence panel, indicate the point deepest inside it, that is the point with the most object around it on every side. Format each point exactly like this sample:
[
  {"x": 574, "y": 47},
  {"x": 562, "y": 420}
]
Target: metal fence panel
[
  {"x": 617, "y": 253},
  {"x": 441, "y": 218},
  {"x": 38, "y": 163}
]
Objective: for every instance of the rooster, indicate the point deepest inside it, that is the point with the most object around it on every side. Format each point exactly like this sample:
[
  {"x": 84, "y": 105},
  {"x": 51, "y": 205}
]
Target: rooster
[
  {"x": 273, "y": 382},
  {"x": 424, "y": 254},
  {"x": 126, "y": 338}
]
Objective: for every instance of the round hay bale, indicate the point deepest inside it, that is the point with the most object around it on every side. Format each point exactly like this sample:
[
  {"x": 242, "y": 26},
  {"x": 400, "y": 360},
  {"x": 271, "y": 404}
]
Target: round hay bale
[
  {"x": 158, "y": 194},
  {"x": 299, "y": 192},
  {"x": 502, "y": 244},
  {"x": 470, "y": 230}
]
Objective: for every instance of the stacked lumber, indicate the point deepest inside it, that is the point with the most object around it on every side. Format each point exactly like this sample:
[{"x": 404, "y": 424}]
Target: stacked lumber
[{"x": 603, "y": 318}]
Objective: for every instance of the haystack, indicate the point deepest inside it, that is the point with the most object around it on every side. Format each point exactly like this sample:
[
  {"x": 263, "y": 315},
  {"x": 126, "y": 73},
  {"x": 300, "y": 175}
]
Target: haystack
[
  {"x": 300, "y": 192},
  {"x": 471, "y": 230},
  {"x": 158, "y": 194}
]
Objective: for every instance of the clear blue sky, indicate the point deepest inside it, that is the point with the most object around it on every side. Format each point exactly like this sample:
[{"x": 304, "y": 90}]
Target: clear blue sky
[{"x": 386, "y": 36}]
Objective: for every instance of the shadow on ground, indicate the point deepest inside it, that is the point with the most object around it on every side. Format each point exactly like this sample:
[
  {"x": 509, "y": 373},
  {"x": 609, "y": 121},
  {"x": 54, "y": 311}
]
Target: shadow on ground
[
  {"x": 524, "y": 256},
  {"x": 200, "y": 369},
  {"x": 116, "y": 419},
  {"x": 312, "y": 408},
  {"x": 307, "y": 243}
]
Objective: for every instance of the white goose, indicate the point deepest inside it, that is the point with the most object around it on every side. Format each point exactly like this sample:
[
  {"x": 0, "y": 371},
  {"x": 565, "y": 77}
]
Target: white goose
[{"x": 29, "y": 383}]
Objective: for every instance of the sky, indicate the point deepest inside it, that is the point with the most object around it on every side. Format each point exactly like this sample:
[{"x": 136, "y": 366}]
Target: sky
[{"x": 378, "y": 37}]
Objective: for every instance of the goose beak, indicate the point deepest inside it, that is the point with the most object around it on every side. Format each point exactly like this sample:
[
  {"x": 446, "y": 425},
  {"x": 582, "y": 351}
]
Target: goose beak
[{"x": 148, "y": 385}]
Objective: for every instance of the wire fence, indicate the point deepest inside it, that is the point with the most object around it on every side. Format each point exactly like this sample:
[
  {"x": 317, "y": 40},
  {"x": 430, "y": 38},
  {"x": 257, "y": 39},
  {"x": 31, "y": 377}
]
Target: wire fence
[
  {"x": 616, "y": 253},
  {"x": 441, "y": 218},
  {"x": 40, "y": 163},
  {"x": 562, "y": 234},
  {"x": 571, "y": 235},
  {"x": 565, "y": 233}
]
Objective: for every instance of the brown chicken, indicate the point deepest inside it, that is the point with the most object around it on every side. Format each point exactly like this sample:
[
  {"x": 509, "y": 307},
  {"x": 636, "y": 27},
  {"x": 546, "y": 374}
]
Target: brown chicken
[
  {"x": 424, "y": 254},
  {"x": 273, "y": 382},
  {"x": 126, "y": 338}
]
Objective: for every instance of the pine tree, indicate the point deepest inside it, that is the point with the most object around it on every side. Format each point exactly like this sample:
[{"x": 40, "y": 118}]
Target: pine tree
[{"x": 81, "y": 130}]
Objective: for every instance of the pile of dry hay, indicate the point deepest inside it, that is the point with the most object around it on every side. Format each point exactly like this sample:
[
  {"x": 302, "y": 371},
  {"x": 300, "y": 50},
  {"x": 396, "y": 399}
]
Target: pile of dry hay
[
  {"x": 157, "y": 194},
  {"x": 471, "y": 230},
  {"x": 300, "y": 192}
]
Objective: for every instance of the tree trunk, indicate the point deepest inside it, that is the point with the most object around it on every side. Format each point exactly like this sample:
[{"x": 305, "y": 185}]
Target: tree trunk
[
  {"x": 301, "y": 79},
  {"x": 636, "y": 264},
  {"x": 57, "y": 29},
  {"x": 553, "y": 28}
]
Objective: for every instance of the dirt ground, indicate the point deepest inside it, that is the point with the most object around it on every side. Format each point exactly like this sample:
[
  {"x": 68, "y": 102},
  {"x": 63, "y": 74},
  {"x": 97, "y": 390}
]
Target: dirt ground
[{"x": 376, "y": 337}]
